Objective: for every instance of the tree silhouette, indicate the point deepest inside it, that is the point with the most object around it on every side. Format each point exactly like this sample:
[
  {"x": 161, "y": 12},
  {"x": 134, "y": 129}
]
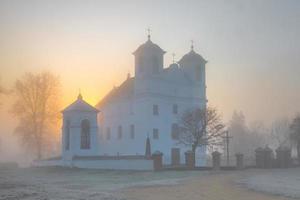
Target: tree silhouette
[
  {"x": 37, "y": 109},
  {"x": 200, "y": 127}
]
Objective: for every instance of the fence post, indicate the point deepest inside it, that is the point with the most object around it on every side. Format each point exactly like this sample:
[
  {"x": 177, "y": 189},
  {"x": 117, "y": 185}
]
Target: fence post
[
  {"x": 157, "y": 160},
  {"x": 190, "y": 159},
  {"x": 239, "y": 161},
  {"x": 216, "y": 158}
]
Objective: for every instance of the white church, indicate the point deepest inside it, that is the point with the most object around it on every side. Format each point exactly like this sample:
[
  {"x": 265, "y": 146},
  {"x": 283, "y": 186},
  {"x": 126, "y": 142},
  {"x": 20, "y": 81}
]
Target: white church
[{"x": 148, "y": 105}]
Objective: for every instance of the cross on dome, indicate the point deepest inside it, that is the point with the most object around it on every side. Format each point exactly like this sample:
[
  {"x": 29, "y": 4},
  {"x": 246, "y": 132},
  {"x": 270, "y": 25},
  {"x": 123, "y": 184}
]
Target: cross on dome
[
  {"x": 192, "y": 45},
  {"x": 79, "y": 95},
  {"x": 149, "y": 31}
]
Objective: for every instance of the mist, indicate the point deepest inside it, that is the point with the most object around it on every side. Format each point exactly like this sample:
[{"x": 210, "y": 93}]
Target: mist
[{"x": 252, "y": 48}]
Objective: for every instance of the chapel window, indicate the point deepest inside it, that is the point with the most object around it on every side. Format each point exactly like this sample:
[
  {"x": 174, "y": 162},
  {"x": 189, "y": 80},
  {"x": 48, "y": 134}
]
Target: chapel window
[{"x": 85, "y": 135}]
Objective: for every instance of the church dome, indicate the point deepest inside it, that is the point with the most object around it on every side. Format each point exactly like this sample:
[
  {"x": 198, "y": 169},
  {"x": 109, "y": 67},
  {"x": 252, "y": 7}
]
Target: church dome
[
  {"x": 192, "y": 56},
  {"x": 148, "y": 46}
]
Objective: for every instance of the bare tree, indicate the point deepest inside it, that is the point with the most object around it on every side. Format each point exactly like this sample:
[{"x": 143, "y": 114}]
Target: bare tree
[
  {"x": 295, "y": 133},
  {"x": 37, "y": 109},
  {"x": 200, "y": 127}
]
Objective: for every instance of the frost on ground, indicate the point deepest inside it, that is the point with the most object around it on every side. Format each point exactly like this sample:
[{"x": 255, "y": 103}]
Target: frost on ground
[
  {"x": 58, "y": 183},
  {"x": 284, "y": 182}
]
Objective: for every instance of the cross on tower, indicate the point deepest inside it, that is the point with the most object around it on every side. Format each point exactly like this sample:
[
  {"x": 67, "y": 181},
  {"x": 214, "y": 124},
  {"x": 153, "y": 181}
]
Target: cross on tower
[
  {"x": 149, "y": 31},
  {"x": 227, "y": 140},
  {"x": 173, "y": 56},
  {"x": 192, "y": 44}
]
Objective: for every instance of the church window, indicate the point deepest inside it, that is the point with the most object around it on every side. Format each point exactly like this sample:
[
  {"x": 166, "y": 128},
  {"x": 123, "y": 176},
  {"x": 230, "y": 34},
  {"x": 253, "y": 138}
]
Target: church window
[
  {"x": 67, "y": 135},
  {"x": 108, "y": 134},
  {"x": 85, "y": 134},
  {"x": 175, "y": 131},
  {"x": 175, "y": 109},
  {"x": 198, "y": 73},
  {"x": 119, "y": 132},
  {"x": 132, "y": 131},
  {"x": 155, "y": 110},
  {"x": 155, "y": 134}
]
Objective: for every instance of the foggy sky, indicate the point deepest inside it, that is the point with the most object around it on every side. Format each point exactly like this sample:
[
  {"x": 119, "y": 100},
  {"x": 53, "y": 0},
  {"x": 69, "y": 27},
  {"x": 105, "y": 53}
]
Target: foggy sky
[{"x": 252, "y": 47}]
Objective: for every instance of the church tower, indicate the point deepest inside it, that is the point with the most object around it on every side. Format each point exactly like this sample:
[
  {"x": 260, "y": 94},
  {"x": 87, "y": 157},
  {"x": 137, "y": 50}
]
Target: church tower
[
  {"x": 149, "y": 59},
  {"x": 80, "y": 130},
  {"x": 193, "y": 64}
]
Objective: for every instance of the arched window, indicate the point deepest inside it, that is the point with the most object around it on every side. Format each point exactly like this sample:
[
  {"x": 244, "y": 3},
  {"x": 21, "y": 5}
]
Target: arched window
[
  {"x": 67, "y": 135},
  {"x": 85, "y": 134}
]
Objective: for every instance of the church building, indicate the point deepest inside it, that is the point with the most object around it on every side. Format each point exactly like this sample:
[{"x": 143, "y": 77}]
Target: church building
[{"x": 148, "y": 105}]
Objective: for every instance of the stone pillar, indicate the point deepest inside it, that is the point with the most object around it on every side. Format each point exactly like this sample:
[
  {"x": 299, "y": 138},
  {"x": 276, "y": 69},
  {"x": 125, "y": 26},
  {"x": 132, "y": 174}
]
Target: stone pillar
[
  {"x": 216, "y": 158},
  {"x": 157, "y": 160},
  {"x": 259, "y": 157},
  {"x": 283, "y": 157},
  {"x": 239, "y": 161},
  {"x": 268, "y": 157},
  {"x": 190, "y": 159}
]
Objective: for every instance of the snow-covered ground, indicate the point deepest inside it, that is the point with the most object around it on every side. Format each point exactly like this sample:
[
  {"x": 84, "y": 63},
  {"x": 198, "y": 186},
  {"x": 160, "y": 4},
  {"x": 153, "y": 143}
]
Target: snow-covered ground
[
  {"x": 284, "y": 182},
  {"x": 45, "y": 183},
  {"x": 59, "y": 183}
]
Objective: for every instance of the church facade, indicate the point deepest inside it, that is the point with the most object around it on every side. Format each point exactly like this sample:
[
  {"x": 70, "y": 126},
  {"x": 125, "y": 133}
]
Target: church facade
[{"x": 148, "y": 105}]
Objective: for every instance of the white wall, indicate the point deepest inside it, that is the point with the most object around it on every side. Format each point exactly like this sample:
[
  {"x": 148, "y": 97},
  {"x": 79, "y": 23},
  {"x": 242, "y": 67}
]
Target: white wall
[
  {"x": 138, "y": 111},
  {"x": 122, "y": 164},
  {"x": 115, "y": 164}
]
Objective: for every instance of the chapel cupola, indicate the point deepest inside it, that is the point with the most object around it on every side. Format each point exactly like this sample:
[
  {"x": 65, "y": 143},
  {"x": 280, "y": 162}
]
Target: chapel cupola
[{"x": 149, "y": 59}]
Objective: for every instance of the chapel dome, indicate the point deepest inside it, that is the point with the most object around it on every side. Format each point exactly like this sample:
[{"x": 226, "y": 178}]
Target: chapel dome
[
  {"x": 192, "y": 56},
  {"x": 80, "y": 105},
  {"x": 148, "y": 46}
]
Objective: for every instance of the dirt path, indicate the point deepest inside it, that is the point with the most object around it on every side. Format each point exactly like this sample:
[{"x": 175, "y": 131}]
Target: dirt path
[{"x": 211, "y": 187}]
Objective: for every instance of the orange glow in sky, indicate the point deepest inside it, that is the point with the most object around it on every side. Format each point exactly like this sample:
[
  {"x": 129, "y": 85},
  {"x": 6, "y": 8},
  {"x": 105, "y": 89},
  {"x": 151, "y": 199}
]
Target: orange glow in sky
[{"x": 253, "y": 65}]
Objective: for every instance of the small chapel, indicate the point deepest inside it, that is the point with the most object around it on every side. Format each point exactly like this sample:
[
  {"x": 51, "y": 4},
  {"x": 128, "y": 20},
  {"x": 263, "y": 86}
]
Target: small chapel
[{"x": 145, "y": 107}]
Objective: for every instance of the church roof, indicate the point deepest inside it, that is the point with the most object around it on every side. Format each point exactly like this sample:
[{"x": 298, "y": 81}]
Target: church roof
[
  {"x": 80, "y": 105},
  {"x": 192, "y": 56},
  {"x": 148, "y": 46},
  {"x": 125, "y": 90}
]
